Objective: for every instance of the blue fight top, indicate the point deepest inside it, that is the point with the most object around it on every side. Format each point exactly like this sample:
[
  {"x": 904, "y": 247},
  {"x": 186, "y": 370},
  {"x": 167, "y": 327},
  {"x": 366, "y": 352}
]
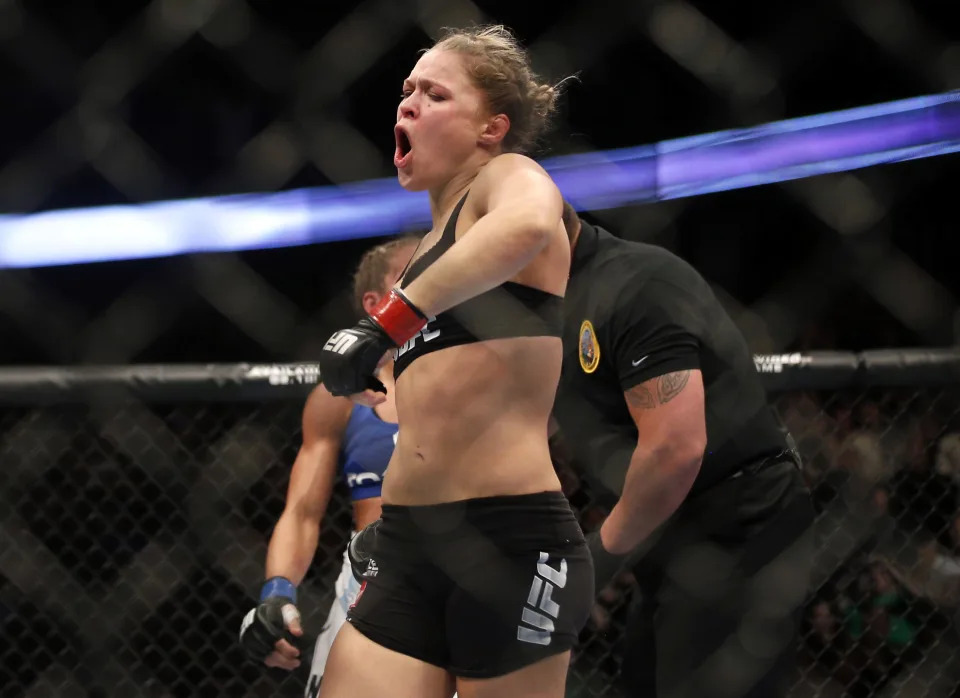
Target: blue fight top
[{"x": 365, "y": 451}]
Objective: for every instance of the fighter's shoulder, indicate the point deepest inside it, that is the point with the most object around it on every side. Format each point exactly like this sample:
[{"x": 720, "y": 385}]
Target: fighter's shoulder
[
  {"x": 512, "y": 162},
  {"x": 325, "y": 414},
  {"x": 509, "y": 170}
]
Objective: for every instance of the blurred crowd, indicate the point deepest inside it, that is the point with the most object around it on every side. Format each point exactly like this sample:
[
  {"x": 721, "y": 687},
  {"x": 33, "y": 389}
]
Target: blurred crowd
[{"x": 884, "y": 470}]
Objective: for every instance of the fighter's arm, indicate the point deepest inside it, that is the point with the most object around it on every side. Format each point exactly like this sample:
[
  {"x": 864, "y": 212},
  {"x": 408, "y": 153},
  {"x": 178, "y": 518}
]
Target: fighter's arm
[
  {"x": 521, "y": 209},
  {"x": 270, "y": 631},
  {"x": 295, "y": 537},
  {"x": 669, "y": 414}
]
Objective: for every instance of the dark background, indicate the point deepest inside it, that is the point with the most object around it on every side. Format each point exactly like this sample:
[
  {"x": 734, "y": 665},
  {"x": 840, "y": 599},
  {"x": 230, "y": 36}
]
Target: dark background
[
  {"x": 116, "y": 102},
  {"x": 134, "y": 534}
]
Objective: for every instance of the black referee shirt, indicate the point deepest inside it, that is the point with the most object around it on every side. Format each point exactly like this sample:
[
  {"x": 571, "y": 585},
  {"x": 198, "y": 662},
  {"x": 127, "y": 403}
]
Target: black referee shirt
[{"x": 634, "y": 312}]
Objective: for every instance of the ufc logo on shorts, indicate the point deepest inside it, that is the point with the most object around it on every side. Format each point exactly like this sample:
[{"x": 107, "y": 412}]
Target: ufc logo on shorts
[
  {"x": 426, "y": 333},
  {"x": 541, "y": 610},
  {"x": 339, "y": 342}
]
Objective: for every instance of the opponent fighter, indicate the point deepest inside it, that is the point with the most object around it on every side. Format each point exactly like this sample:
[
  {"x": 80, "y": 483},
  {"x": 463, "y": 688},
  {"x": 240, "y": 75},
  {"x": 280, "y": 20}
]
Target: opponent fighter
[
  {"x": 336, "y": 432},
  {"x": 477, "y": 576},
  {"x": 664, "y": 408}
]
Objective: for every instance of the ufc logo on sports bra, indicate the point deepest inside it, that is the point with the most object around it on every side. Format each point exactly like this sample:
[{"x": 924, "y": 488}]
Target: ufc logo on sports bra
[
  {"x": 541, "y": 610},
  {"x": 426, "y": 333}
]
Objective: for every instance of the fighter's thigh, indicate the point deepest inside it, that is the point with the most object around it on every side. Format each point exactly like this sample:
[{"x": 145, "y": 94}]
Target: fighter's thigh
[
  {"x": 346, "y": 588},
  {"x": 321, "y": 651},
  {"x": 360, "y": 668},
  {"x": 544, "y": 679}
]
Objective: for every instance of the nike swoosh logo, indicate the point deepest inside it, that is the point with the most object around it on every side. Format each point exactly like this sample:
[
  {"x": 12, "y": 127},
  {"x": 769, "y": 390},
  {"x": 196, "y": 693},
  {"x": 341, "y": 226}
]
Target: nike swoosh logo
[{"x": 639, "y": 361}]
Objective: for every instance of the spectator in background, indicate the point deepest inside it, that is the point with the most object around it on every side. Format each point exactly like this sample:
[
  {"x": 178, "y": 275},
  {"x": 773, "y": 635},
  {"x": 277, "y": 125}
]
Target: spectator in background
[
  {"x": 881, "y": 631},
  {"x": 811, "y": 427},
  {"x": 924, "y": 499},
  {"x": 882, "y": 616},
  {"x": 935, "y": 573},
  {"x": 861, "y": 458},
  {"x": 864, "y": 634},
  {"x": 823, "y": 639},
  {"x": 947, "y": 457}
]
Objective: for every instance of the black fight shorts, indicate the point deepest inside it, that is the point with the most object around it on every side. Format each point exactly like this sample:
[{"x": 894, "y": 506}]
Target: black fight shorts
[{"x": 480, "y": 587}]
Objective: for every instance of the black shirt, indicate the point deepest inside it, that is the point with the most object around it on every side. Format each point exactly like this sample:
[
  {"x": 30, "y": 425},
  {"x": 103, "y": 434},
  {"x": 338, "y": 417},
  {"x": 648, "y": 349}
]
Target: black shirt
[{"x": 634, "y": 312}]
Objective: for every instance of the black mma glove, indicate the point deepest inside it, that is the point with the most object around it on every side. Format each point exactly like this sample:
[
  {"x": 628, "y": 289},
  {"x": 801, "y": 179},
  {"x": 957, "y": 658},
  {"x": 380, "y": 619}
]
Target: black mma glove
[
  {"x": 606, "y": 565},
  {"x": 360, "y": 548},
  {"x": 270, "y": 621},
  {"x": 349, "y": 359}
]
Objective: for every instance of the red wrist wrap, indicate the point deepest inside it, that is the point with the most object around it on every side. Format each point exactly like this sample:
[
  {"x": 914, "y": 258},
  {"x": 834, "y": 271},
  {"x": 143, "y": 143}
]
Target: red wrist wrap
[{"x": 398, "y": 317}]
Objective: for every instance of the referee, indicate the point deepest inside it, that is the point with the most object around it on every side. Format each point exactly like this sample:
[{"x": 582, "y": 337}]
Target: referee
[{"x": 662, "y": 405}]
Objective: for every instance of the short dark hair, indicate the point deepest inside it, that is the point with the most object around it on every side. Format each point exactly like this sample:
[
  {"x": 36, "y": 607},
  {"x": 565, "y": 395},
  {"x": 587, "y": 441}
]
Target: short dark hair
[{"x": 571, "y": 221}]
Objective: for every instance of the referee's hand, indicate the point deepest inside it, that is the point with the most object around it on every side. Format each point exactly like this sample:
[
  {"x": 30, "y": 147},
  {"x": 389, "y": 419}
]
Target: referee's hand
[{"x": 606, "y": 565}]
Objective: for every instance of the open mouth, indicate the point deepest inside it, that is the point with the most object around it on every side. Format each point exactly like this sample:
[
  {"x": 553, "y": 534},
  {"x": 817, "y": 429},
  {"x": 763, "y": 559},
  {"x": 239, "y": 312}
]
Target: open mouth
[{"x": 402, "y": 153}]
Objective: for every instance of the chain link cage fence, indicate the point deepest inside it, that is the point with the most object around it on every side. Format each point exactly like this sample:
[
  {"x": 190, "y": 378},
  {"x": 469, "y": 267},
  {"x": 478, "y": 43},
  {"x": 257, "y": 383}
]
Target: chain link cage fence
[{"x": 137, "y": 504}]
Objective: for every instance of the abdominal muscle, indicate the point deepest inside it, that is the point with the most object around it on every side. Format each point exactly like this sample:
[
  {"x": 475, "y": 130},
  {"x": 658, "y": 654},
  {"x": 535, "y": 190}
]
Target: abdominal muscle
[{"x": 473, "y": 422}]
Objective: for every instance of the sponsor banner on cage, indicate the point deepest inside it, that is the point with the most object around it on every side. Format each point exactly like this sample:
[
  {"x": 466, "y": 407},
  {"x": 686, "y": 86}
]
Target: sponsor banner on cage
[
  {"x": 775, "y": 363},
  {"x": 285, "y": 374}
]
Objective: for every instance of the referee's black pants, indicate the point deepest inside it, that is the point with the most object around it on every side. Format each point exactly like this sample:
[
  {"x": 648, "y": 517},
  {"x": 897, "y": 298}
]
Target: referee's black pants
[{"x": 722, "y": 591}]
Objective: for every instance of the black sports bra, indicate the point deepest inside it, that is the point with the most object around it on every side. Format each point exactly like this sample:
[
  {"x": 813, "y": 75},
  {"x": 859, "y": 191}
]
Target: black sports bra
[{"x": 509, "y": 310}]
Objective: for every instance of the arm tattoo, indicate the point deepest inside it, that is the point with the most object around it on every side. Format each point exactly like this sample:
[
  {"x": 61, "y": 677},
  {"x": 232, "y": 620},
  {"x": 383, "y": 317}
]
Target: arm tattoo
[
  {"x": 668, "y": 387},
  {"x": 639, "y": 396},
  {"x": 671, "y": 385}
]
